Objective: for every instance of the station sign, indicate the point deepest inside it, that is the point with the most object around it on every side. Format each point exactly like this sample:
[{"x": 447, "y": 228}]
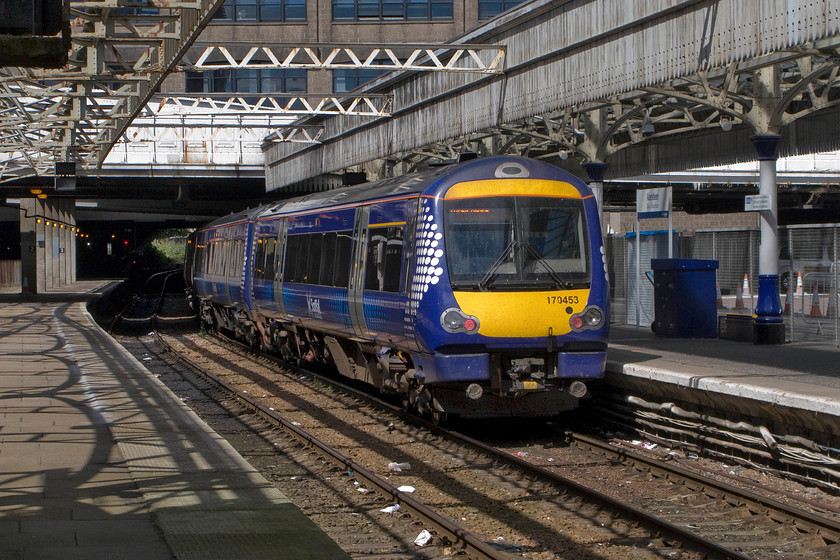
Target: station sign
[
  {"x": 756, "y": 202},
  {"x": 653, "y": 203}
]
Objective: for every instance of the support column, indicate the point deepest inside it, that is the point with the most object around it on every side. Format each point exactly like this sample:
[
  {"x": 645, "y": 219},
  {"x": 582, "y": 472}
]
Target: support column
[
  {"x": 71, "y": 250},
  {"x": 48, "y": 244},
  {"x": 28, "y": 247},
  {"x": 52, "y": 240},
  {"x": 65, "y": 241},
  {"x": 595, "y": 172},
  {"x": 33, "y": 233},
  {"x": 769, "y": 321}
]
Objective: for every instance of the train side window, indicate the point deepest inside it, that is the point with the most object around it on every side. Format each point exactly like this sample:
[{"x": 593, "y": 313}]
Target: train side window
[
  {"x": 290, "y": 264},
  {"x": 259, "y": 259},
  {"x": 233, "y": 257},
  {"x": 327, "y": 273},
  {"x": 208, "y": 260},
  {"x": 384, "y": 259},
  {"x": 316, "y": 241},
  {"x": 214, "y": 262},
  {"x": 302, "y": 265},
  {"x": 343, "y": 257},
  {"x": 270, "y": 269}
]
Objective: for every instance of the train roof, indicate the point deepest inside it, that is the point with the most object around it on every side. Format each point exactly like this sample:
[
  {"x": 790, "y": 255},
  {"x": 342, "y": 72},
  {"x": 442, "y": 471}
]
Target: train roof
[
  {"x": 233, "y": 217},
  {"x": 404, "y": 185},
  {"x": 415, "y": 183},
  {"x": 410, "y": 184}
]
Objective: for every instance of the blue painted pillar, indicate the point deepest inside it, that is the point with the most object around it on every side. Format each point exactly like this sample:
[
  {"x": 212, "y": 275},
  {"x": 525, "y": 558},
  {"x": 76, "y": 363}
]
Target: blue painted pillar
[
  {"x": 595, "y": 172},
  {"x": 769, "y": 306}
]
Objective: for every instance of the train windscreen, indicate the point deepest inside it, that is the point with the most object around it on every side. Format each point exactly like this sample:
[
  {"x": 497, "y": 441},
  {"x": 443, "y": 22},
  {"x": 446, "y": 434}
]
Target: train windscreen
[{"x": 516, "y": 243}]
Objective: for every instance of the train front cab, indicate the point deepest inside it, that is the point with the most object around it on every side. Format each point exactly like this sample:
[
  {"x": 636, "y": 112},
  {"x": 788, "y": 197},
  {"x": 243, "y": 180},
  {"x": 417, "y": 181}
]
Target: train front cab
[{"x": 510, "y": 293}]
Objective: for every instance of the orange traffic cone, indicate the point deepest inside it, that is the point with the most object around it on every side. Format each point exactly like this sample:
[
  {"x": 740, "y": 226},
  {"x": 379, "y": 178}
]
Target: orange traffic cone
[
  {"x": 799, "y": 284},
  {"x": 815, "y": 302},
  {"x": 739, "y": 297},
  {"x": 746, "y": 288},
  {"x": 719, "y": 296}
]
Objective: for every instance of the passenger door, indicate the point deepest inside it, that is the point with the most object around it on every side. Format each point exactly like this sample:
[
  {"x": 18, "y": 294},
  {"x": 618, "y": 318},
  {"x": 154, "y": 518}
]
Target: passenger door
[{"x": 357, "y": 273}]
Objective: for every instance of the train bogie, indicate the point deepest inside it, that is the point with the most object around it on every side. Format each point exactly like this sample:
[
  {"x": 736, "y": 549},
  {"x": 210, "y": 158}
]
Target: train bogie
[{"x": 479, "y": 289}]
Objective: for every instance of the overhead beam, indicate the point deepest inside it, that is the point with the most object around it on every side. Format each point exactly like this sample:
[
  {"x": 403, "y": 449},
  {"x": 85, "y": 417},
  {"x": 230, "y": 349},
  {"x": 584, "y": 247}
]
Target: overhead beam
[{"x": 478, "y": 58}]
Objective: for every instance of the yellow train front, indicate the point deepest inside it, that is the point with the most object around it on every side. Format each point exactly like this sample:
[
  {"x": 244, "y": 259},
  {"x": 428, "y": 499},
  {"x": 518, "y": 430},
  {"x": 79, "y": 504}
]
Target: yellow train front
[{"x": 509, "y": 294}]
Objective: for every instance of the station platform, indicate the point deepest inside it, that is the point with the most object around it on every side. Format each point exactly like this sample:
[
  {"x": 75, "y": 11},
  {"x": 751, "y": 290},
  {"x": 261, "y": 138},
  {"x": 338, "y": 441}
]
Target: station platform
[
  {"x": 99, "y": 460},
  {"x": 800, "y": 375}
]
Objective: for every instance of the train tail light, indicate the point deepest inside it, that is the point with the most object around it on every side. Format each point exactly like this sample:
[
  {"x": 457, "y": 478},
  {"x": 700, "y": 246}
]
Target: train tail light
[
  {"x": 590, "y": 319},
  {"x": 454, "y": 320}
]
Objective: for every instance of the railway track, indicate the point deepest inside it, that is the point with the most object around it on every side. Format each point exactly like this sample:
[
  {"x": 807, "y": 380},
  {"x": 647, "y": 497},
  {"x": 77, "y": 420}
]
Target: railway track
[{"x": 502, "y": 503}]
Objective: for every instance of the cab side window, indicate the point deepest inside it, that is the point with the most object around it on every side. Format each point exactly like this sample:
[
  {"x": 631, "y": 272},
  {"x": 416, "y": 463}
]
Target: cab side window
[{"x": 384, "y": 259}]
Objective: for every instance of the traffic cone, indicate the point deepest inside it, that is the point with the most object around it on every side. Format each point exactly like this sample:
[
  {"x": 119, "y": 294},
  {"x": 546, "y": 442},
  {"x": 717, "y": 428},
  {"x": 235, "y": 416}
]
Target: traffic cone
[
  {"x": 739, "y": 297},
  {"x": 746, "y": 289},
  {"x": 787, "y": 299},
  {"x": 719, "y": 296},
  {"x": 815, "y": 302},
  {"x": 799, "y": 284}
]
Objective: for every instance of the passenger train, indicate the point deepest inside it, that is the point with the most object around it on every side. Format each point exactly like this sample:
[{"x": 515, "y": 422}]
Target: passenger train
[{"x": 476, "y": 289}]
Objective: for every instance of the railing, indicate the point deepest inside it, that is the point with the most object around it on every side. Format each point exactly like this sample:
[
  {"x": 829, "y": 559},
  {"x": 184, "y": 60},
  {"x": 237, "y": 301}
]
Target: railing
[
  {"x": 9, "y": 274},
  {"x": 809, "y": 271}
]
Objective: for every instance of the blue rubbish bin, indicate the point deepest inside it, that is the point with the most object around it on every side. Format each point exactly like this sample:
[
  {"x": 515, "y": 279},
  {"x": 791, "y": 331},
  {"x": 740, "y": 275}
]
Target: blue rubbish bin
[{"x": 684, "y": 298}]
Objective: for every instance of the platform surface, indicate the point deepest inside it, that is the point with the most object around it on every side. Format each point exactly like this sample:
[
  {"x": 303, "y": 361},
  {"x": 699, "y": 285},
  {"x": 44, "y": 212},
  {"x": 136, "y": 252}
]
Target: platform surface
[
  {"x": 802, "y": 375},
  {"x": 99, "y": 460}
]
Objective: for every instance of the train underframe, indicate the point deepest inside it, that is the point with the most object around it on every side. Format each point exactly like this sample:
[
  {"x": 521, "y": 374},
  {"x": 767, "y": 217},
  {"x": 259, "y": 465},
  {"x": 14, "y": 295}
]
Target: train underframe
[{"x": 515, "y": 384}]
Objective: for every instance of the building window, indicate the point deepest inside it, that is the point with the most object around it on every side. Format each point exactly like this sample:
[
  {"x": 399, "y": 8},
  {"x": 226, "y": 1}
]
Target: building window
[
  {"x": 261, "y": 10},
  {"x": 492, "y": 8},
  {"x": 266, "y": 80},
  {"x": 348, "y": 79},
  {"x": 383, "y": 10}
]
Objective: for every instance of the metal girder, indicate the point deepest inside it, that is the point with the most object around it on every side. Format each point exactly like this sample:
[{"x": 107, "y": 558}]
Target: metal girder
[
  {"x": 765, "y": 93},
  {"x": 483, "y": 59},
  {"x": 200, "y": 107},
  {"x": 120, "y": 53},
  {"x": 299, "y": 134},
  {"x": 239, "y": 132}
]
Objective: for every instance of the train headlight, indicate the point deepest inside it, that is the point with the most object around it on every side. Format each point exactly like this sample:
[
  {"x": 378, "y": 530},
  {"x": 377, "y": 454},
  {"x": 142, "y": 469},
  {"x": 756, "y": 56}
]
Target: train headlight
[
  {"x": 591, "y": 318},
  {"x": 454, "y": 321}
]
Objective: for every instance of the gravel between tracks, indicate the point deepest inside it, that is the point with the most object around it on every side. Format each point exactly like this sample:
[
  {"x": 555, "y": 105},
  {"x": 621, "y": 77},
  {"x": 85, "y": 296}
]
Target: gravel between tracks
[{"x": 501, "y": 510}]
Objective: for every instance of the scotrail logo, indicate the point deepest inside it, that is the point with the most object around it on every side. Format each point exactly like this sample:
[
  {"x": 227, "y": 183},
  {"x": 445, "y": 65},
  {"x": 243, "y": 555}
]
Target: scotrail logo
[{"x": 314, "y": 306}]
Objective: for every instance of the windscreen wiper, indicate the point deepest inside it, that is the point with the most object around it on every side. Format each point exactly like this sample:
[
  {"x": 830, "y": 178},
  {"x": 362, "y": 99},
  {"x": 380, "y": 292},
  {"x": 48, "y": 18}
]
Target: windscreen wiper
[
  {"x": 551, "y": 272},
  {"x": 485, "y": 282}
]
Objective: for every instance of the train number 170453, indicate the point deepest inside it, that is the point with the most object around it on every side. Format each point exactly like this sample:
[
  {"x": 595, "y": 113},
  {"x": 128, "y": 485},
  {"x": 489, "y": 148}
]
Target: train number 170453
[{"x": 572, "y": 300}]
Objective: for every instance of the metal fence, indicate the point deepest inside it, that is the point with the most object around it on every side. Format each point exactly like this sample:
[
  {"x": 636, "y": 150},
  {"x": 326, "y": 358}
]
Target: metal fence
[
  {"x": 809, "y": 259},
  {"x": 9, "y": 274}
]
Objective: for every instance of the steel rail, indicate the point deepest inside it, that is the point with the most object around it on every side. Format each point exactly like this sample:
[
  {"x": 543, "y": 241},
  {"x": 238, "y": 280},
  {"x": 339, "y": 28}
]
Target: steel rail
[
  {"x": 469, "y": 543},
  {"x": 651, "y": 522},
  {"x": 828, "y": 529}
]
